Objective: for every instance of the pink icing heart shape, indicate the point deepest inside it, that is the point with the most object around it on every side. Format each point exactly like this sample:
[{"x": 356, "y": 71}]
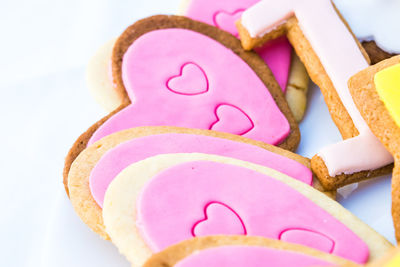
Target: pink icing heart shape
[
  {"x": 219, "y": 219},
  {"x": 232, "y": 120},
  {"x": 308, "y": 238},
  {"x": 191, "y": 81},
  {"x": 226, "y": 20}
]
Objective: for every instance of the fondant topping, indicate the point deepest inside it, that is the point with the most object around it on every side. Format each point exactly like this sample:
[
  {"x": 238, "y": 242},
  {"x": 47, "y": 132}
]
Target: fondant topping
[
  {"x": 173, "y": 202},
  {"x": 118, "y": 158},
  {"x": 173, "y": 80}
]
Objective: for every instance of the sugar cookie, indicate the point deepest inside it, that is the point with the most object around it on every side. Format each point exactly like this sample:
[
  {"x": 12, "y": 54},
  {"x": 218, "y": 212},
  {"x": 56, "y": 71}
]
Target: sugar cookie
[
  {"x": 169, "y": 198},
  {"x": 376, "y": 92},
  {"x": 99, "y": 164},
  {"x": 312, "y": 34}
]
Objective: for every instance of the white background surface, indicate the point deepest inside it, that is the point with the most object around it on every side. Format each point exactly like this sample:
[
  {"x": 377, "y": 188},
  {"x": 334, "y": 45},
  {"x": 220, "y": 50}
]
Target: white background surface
[{"x": 45, "y": 105}]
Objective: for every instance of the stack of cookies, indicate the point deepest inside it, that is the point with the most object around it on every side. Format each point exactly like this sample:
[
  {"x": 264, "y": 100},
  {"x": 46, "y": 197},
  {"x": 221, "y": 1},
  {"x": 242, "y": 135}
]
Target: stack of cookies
[{"x": 194, "y": 166}]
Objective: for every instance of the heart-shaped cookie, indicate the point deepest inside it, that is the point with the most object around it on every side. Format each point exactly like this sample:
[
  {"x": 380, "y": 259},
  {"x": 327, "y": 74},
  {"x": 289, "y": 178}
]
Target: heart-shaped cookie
[
  {"x": 154, "y": 203},
  {"x": 168, "y": 78},
  {"x": 208, "y": 79}
]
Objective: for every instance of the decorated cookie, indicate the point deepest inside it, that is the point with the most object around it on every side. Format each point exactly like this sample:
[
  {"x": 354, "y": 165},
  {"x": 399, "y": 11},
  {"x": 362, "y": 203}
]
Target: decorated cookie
[
  {"x": 241, "y": 251},
  {"x": 374, "y": 22},
  {"x": 99, "y": 164},
  {"x": 195, "y": 90},
  {"x": 376, "y": 92},
  {"x": 169, "y": 198},
  {"x": 276, "y": 53},
  {"x": 313, "y": 34},
  {"x": 177, "y": 82}
]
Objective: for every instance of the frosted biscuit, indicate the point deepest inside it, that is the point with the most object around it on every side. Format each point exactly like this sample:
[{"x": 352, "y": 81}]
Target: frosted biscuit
[{"x": 312, "y": 34}]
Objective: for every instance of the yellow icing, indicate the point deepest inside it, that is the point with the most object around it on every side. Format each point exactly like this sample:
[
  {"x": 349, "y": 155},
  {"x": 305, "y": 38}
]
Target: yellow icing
[
  {"x": 387, "y": 83},
  {"x": 395, "y": 262}
]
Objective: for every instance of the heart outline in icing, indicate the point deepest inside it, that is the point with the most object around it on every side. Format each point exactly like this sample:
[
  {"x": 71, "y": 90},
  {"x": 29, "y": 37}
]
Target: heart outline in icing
[
  {"x": 240, "y": 114},
  {"x": 187, "y": 69},
  {"x": 311, "y": 233},
  {"x": 206, "y": 220},
  {"x": 228, "y": 16}
]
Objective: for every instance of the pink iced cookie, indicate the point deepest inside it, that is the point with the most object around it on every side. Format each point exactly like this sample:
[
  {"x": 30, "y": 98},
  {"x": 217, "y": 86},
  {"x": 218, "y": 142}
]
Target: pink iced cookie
[
  {"x": 223, "y": 14},
  {"x": 120, "y": 157},
  {"x": 201, "y": 198},
  {"x": 171, "y": 79}
]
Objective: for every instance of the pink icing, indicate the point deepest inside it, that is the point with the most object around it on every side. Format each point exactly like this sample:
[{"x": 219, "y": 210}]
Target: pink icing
[
  {"x": 340, "y": 61},
  {"x": 120, "y": 157},
  {"x": 223, "y": 14},
  {"x": 162, "y": 92},
  {"x": 249, "y": 256},
  {"x": 173, "y": 202}
]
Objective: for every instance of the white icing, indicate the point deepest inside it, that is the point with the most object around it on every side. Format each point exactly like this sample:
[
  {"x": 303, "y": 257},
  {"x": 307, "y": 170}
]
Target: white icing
[
  {"x": 341, "y": 58},
  {"x": 377, "y": 20}
]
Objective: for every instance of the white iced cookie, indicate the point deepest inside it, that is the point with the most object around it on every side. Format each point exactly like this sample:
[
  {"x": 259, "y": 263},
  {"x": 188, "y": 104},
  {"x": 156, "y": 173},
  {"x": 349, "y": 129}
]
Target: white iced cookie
[{"x": 168, "y": 198}]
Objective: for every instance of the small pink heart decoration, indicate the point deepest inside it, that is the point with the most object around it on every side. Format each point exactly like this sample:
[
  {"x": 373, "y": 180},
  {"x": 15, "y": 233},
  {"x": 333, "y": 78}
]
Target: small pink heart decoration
[
  {"x": 226, "y": 21},
  {"x": 219, "y": 219},
  {"x": 231, "y": 119},
  {"x": 192, "y": 80}
]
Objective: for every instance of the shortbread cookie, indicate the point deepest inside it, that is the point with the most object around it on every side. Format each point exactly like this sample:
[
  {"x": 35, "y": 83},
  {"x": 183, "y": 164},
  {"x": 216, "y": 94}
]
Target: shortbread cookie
[
  {"x": 376, "y": 92},
  {"x": 181, "y": 83},
  {"x": 276, "y": 53},
  {"x": 169, "y": 198},
  {"x": 331, "y": 55},
  {"x": 99, "y": 164},
  {"x": 241, "y": 251}
]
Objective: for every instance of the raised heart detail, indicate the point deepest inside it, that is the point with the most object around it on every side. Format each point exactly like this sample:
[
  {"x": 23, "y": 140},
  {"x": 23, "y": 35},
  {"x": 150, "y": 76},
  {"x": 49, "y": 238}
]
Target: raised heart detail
[
  {"x": 192, "y": 80},
  {"x": 231, "y": 119},
  {"x": 219, "y": 219},
  {"x": 226, "y": 21},
  {"x": 308, "y": 238}
]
